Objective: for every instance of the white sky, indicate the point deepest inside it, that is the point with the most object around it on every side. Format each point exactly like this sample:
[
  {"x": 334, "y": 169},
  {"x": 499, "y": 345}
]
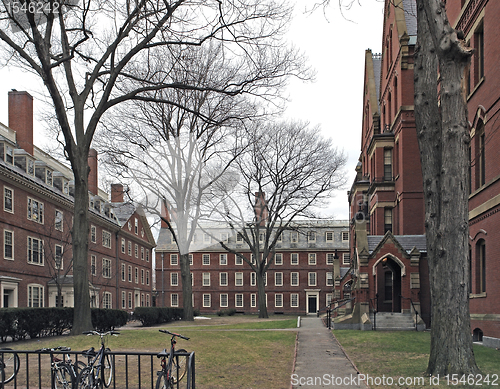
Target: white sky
[{"x": 335, "y": 45}]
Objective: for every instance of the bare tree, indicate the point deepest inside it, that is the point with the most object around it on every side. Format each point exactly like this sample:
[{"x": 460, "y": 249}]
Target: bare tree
[
  {"x": 173, "y": 154},
  {"x": 443, "y": 135},
  {"x": 93, "y": 55},
  {"x": 286, "y": 170}
]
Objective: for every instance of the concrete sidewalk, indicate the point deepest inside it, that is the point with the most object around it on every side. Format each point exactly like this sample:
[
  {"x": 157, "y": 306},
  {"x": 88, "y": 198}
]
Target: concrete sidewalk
[{"x": 320, "y": 361}]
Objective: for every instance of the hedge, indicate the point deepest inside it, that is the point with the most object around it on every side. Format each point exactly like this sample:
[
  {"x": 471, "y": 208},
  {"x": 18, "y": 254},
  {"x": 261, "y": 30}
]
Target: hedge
[
  {"x": 23, "y": 323},
  {"x": 150, "y": 316}
]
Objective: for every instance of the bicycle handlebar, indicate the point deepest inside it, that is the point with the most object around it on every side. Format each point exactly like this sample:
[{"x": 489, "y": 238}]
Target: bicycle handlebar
[
  {"x": 174, "y": 334},
  {"x": 100, "y": 333}
]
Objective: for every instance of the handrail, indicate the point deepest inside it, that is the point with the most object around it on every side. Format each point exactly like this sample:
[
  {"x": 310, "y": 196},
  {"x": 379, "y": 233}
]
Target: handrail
[
  {"x": 374, "y": 310},
  {"x": 415, "y": 309},
  {"x": 329, "y": 310}
]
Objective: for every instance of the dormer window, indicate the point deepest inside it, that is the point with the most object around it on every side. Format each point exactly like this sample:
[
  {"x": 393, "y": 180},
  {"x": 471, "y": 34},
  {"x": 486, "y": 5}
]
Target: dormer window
[
  {"x": 6, "y": 153},
  {"x": 43, "y": 172},
  {"x": 60, "y": 182},
  {"x": 24, "y": 161}
]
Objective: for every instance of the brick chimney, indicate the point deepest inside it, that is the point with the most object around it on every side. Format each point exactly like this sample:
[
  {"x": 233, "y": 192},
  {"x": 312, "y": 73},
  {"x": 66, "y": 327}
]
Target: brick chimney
[
  {"x": 21, "y": 118},
  {"x": 260, "y": 208},
  {"x": 117, "y": 193},
  {"x": 164, "y": 215},
  {"x": 92, "y": 161}
]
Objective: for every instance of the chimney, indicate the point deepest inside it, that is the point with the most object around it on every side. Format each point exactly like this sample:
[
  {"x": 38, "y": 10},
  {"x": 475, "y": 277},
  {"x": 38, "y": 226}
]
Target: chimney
[
  {"x": 92, "y": 162},
  {"x": 165, "y": 215},
  {"x": 21, "y": 118},
  {"x": 117, "y": 193},
  {"x": 260, "y": 208}
]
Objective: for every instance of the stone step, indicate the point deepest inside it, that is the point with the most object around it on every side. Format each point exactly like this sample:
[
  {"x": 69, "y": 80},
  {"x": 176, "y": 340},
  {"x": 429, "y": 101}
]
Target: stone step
[{"x": 392, "y": 321}]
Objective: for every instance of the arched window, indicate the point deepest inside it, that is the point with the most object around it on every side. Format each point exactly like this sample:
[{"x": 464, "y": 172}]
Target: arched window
[{"x": 480, "y": 161}]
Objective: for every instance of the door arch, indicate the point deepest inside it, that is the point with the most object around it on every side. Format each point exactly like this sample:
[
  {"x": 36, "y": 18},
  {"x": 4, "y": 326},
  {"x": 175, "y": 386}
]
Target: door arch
[{"x": 388, "y": 278}]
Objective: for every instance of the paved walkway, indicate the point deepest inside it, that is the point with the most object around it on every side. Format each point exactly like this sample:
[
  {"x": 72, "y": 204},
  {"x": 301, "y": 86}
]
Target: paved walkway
[{"x": 320, "y": 362}]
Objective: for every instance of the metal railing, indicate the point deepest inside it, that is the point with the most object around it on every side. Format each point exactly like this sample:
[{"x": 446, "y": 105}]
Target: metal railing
[
  {"x": 329, "y": 311},
  {"x": 137, "y": 370},
  {"x": 374, "y": 309},
  {"x": 414, "y": 309}
]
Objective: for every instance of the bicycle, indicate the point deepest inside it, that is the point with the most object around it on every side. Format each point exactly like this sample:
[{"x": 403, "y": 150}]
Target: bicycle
[
  {"x": 63, "y": 371},
  {"x": 99, "y": 370},
  {"x": 9, "y": 365},
  {"x": 173, "y": 369}
]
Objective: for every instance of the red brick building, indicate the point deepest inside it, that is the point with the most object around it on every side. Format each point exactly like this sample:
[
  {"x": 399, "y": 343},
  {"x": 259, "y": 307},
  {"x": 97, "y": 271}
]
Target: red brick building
[
  {"x": 478, "y": 20},
  {"x": 300, "y": 281},
  {"x": 386, "y": 197},
  {"x": 388, "y": 245},
  {"x": 36, "y": 220}
]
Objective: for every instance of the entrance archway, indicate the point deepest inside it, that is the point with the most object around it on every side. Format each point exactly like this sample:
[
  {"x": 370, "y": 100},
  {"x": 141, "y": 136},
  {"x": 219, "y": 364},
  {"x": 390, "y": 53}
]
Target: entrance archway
[{"x": 388, "y": 274}]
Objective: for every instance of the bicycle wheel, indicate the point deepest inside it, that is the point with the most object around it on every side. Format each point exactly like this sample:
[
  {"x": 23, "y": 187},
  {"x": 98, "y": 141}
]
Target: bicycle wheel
[
  {"x": 107, "y": 370},
  {"x": 162, "y": 382},
  {"x": 10, "y": 364},
  {"x": 62, "y": 378},
  {"x": 179, "y": 366},
  {"x": 85, "y": 379},
  {"x": 2, "y": 375}
]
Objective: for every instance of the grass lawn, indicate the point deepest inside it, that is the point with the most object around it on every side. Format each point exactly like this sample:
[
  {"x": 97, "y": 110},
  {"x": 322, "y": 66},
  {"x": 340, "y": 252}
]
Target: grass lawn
[
  {"x": 405, "y": 354},
  {"x": 232, "y": 353}
]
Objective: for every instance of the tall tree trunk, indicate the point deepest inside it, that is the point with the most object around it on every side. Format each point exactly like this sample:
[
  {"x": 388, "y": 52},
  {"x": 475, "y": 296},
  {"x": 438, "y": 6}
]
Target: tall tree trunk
[
  {"x": 187, "y": 290},
  {"x": 261, "y": 293},
  {"x": 443, "y": 137},
  {"x": 82, "y": 320}
]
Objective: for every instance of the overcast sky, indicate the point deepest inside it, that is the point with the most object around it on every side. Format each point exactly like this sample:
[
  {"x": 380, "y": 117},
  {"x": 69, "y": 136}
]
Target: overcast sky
[{"x": 335, "y": 44}]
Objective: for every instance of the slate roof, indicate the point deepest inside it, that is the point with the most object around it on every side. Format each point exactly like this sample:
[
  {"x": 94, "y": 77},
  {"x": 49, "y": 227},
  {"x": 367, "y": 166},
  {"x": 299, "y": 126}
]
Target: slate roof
[
  {"x": 123, "y": 211},
  {"x": 410, "y": 10},
  {"x": 408, "y": 242}
]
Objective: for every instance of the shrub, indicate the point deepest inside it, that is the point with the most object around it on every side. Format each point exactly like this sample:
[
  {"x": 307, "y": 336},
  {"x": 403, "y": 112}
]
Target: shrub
[
  {"x": 150, "y": 316},
  {"x": 108, "y": 319}
]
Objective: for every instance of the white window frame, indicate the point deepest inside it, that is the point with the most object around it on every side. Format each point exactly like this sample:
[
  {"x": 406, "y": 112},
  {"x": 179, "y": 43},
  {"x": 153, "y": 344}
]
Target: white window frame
[
  {"x": 223, "y": 259},
  {"x": 292, "y": 276},
  {"x": 223, "y": 300},
  {"x": 238, "y": 279},
  {"x": 205, "y": 279},
  {"x": 278, "y": 300},
  {"x": 123, "y": 244},
  {"x": 253, "y": 279},
  {"x": 174, "y": 300},
  {"x": 294, "y": 237},
  {"x": 278, "y": 279},
  {"x": 147, "y": 277},
  {"x": 311, "y": 258},
  {"x": 174, "y": 259},
  {"x": 280, "y": 261},
  {"x": 93, "y": 234},
  {"x": 330, "y": 258},
  {"x": 5, "y": 232},
  {"x": 238, "y": 261},
  {"x": 55, "y": 257},
  {"x": 205, "y": 259},
  {"x": 294, "y": 296},
  {"x": 136, "y": 226},
  {"x": 174, "y": 279},
  {"x": 93, "y": 265},
  {"x": 190, "y": 256},
  {"x": 345, "y": 236},
  {"x": 223, "y": 282},
  {"x": 106, "y": 268},
  {"x": 346, "y": 258},
  {"x": 329, "y": 236},
  {"x": 312, "y": 279},
  {"x": 292, "y": 260},
  {"x": 41, "y": 296},
  {"x": 253, "y": 300},
  {"x": 124, "y": 272},
  {"x": 129, "y": 248},
  {"x": 136, "y": 250},
  {"x": 329, "y": 278},
  {"x": 142, "y": 253},
  {"x": 40, "y": 251},
  {"x": 107, "y": 300},
  {"x": 106, "y": 239},
  {"x": 311, "y": 236},
  {"x": 35, "y": 215},
  {"x": 142, "y": 276},
  {"x": 238, "y": 300},
  {"x": 130, "y": 273},
  {"x": 136, "y": 274},
  {"x": 5, "y": 189},
  {"x": 124, "y": 300},
  {"x": 59, "y": 223},
  {"x": 207, "y": 300}
]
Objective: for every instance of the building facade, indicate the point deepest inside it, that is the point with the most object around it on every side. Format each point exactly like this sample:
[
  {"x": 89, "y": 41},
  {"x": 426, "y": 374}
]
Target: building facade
[
  {"x": 478, "y": 21},
  {"x": 386, "y": 199},
  {"x": 36, "y": 220},
  {"x": 299, "y": 281}
]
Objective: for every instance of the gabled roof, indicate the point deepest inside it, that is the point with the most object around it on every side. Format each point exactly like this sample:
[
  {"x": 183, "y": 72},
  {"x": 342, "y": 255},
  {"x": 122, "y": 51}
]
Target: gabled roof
[
  {"x": 406, "y": 242},
  {"x": 410, "y": 9}
]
